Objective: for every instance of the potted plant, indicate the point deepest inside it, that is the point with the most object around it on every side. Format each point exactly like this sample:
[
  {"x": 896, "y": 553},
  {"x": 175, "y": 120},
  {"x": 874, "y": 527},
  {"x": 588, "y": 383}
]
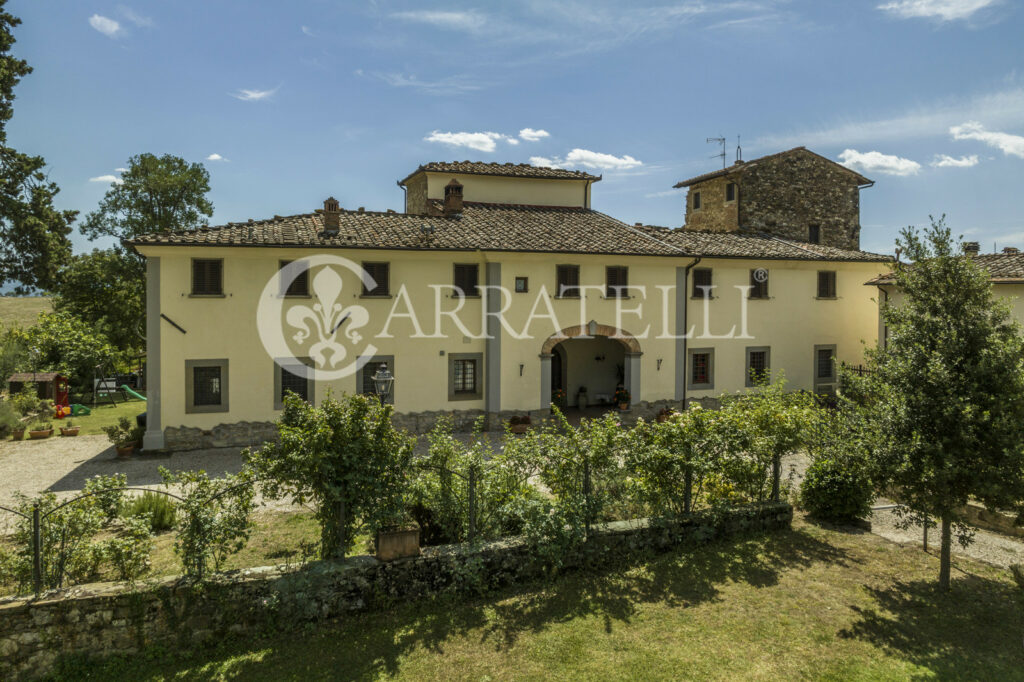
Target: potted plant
[
  {"x": 41, "y": 429},
  {"x": 664, "y": 414},
  {"x": 69, "y": 429},
  {"x": 622, "y": 398},
  {"x": 18, "y": 433},
  {"x": 558, "y": 398},
  {"x": 124, "y": 436},
  {"x": 519, "y": 424}
]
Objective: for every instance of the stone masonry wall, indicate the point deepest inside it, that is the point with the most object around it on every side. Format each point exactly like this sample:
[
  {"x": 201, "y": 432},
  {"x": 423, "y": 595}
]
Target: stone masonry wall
[
  {"x": 416, "y": 195},
  {"x": 715, "y": 213},
  {"x": 106, "y": 619},
  {"x": 786, "y": 194}
]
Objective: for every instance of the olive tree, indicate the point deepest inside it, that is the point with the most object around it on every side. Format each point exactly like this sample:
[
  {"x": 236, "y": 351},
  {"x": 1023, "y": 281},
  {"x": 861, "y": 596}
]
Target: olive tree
[{"x": 949, "y": 389}]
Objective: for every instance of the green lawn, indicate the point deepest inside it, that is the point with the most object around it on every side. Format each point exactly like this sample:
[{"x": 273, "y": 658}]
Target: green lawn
[
  {"x": 812, "y": 603},
  {"x": 22, "y": 312},
  {"x": 105, "y": 415}
]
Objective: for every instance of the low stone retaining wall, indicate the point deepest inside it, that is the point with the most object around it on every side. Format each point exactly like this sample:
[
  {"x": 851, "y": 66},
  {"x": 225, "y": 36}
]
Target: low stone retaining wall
[
  {"x": 105, "y": 618},
  {"x": 1000, "y": 522}
]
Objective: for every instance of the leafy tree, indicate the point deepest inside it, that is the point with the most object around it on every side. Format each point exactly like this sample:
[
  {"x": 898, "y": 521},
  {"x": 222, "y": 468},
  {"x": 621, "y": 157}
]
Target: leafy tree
[
  {"x": 950, "y": 389},
  {"x": 33, "y": 233},
  {"x": 346, "y": 458},
  {"x": 63, "y": 343},
  {"x": 107, "y": 289},
  {"x": 156, "y": 194}
]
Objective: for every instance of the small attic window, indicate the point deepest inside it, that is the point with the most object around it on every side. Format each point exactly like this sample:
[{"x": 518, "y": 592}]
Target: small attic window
[
  {"x": 730, "y": 191},
  {"x": 814, "y": 234},
  {"x": 696, "y": 201}
]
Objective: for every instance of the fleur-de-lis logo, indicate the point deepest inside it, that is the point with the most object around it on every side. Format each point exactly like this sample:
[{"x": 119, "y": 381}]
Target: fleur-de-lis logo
[
  {"x": 325, "y": 330},
  {"x": 327, "y": 317}
]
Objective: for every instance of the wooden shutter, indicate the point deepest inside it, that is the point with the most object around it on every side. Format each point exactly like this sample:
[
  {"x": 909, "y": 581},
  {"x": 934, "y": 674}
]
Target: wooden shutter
[
  {"x": 207, "y": 277},
  {"x": 381, "y": 273},
  {"x": 568, "y": 277},
  {"x": 701, "y": 278},
  {"x": 466, "y": 278},
  {"x": 827, "y": 284},
  {"x": 617, "y": 279}
]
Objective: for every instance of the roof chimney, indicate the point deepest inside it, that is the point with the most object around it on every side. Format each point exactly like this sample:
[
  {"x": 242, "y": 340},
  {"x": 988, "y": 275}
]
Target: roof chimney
[
  {"x": 332, "y": 215},
  {"x": 972, "y": 248},
  {"x": 452, "y": 198},
  {"x": 1010, "y": 249}
]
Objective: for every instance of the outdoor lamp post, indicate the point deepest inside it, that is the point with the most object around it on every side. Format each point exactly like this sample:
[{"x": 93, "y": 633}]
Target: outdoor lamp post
[{"x": 383, "y": 382}]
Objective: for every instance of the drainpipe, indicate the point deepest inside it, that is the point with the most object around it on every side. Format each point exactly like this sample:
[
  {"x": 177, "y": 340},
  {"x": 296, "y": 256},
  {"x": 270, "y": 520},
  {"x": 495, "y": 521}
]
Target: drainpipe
[
  {"x": 405, "y": 191},
  {"x": 686, "y": 324}
]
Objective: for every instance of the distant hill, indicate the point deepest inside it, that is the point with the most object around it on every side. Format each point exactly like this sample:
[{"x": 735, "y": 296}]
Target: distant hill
[{"x": 22, "y": 311}]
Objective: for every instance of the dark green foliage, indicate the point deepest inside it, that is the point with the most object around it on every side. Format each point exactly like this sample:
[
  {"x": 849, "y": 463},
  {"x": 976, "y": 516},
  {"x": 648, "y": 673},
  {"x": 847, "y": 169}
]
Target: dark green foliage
[
  {"x": 160, "y": 509},
  {"x": 106, "y": 288},
  {"x": 836, "y": 489},
  {"x": 66, "y": 344},
  {"x": 9, "y": 419}
]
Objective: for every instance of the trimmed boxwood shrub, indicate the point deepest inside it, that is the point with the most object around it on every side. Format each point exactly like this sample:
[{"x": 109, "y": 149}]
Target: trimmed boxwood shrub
[{"x": 836, "y": 489}]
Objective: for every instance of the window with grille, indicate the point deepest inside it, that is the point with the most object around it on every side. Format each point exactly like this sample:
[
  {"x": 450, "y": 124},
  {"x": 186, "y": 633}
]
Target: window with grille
[
  {"x": 696, "y": 201},
  {"x": 464, "y": 379},
  {"x": 826, "y": 363},
  {"x": 206, "y": 385},
  {"x": 758, "y": 365},
  {"x": 730, "y": 191},
  {"x": 381, "y": 274},
  {"x": 207, "y": 277},
  {"x": 701, "y": 368},
  {"x": 467, "y": 279},
  {"x": 759, "y": 283},
  {"x": 298, "y": 286},
  {"x": 567, "y": 281},
  {"x": 293, "y": 383},
  {"x": 617, "y": 281},
  {"x": 814, "y": 234},
  {"x": 827, "y": 284},
  {"x": 702, "y": 283}
]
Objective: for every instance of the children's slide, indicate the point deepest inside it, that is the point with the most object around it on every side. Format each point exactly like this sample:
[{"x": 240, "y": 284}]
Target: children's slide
[{"x": 124, "y": 387}]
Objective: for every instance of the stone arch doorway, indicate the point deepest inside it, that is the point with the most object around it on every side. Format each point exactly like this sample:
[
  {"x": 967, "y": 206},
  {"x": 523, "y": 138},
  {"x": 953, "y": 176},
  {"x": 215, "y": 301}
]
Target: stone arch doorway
[{"x": 566, "y": 362}]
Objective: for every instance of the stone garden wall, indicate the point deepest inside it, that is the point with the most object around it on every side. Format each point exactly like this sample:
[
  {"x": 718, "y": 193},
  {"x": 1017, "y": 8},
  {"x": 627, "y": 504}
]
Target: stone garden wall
[{"x": 106, "y": 619}]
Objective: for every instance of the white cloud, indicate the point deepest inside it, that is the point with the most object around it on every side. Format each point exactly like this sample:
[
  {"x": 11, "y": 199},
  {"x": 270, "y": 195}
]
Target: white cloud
[
  {"x": 531, "y": 135},
  {"x": 121, "y": 170},
  {"x": 215, "y": 157},
  {"x": 946, "y": 161},
  {"x": 588, "y": 159},
  {"x": 543, "y": 161},
  {"x": 585, "y": 157},
  {"x": 451, "y": 85},
  {"x": 877, "y": 162},
  {"x": 456, "y": 21},
  {"x": 134, "y": 17},
  {"x": 943, "y": 10},
  {"x": 107, "y": 179},
  {"x": 308, "y": 31},
  {"x": 1005, "y": 142},
  {"x": 252, "y": 95},
  {"x": 484, "y": 142},
  {"x": 107, "y": 27},
  {"x": 511, "y": 140}
]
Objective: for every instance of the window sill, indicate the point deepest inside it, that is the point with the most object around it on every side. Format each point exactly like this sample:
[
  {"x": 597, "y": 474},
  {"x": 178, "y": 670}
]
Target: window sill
[
  {"x": 458, "y": 397},
  {"x": 826, "y": 298},
  {"x": 618, "y": 298},
  {"x": 207, "y": 295},
  {"x": 700, "y": 387},
  {"x": 704, "y": 298},
  {"x": 383, "y": 296},
  {"x": 567, "y": 298},
  {"x": 294, "y": 296},
  {"x": 759, "y": 298},
  {"x": 457, "y": 296}
]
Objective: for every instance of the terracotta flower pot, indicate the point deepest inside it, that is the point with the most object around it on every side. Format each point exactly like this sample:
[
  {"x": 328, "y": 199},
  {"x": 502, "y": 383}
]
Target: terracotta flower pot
[
  {"x": 70, "y": 431},
  {"x": 662, "y": 418},
  {"x": 18, "y": 434},
  {"x": 38, "y": 435},
  {"x": 623, "y": 407},
  {"x": 519, "y": 428},
  {"x": 126, "y": 450}
]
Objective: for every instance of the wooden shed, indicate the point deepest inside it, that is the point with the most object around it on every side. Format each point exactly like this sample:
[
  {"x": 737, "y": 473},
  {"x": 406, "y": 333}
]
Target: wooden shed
[{"x": 48, "y": 384}]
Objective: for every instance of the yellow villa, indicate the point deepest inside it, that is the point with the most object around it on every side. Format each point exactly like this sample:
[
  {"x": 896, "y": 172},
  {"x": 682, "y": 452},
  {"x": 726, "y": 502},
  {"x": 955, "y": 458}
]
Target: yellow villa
[{"x": 498, "y": 288}]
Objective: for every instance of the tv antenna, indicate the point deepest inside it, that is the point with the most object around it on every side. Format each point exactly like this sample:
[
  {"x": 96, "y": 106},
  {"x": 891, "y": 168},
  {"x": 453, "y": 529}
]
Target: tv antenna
[
  {"x": 739, "y": 150},
  {"x": 721, "y": 141}
]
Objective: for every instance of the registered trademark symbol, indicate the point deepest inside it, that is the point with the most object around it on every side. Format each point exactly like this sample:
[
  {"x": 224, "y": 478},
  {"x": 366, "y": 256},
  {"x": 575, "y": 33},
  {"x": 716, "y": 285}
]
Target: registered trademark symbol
[{"x": 761, "y": 275}]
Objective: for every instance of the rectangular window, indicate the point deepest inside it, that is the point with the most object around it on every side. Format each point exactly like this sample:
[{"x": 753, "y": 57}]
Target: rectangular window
[
  {"x": 759, "y": 283},
  {"x": 291, "y": 377},
  {"x": 617, "y": 281},
  {"x": 814, "y": 234},
  {"x": 827, "y": 284},
  {"x": 758, "y": 365},
  {"x": 702, "y": 283},
  {"x": 464, "y": 380},
  {"x": 206, "y": 386},
  {"x": 364, "y": 375},
  {"x": 381, "y": 274},
  {"x": 567, "y": 281},
  {"x": 825, "y": 369},
  {"x": 730, "y": 191},
  {"x": 522, "y": 285},
  {"x": 467, "y": 279},
  {"x": 696, "y": 201},
  {"x": 207, "y": 277},
  {"x": 298, "y": 286},
  {"x": 702, "y": 368}
]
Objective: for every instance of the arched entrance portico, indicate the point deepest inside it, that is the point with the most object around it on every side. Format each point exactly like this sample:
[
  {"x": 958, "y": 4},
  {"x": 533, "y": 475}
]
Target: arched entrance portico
[{"x": 612, "y": 348}]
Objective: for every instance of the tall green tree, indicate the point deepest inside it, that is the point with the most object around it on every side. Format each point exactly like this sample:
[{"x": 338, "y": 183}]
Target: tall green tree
[
  {"x": 950, "y": 389},
  {"x": 107, "y": 287},
  {"x": 33, "y": 233}
]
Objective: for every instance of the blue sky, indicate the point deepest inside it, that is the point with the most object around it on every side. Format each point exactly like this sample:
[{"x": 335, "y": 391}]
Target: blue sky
[{"x": 289, "y": 102}]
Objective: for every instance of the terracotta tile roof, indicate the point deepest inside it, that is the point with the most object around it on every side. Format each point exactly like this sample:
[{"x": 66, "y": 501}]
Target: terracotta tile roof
[
  {"x": 1007, "y": 268},
  {"x": 498, "y": 227},
  {"x": 739, "y": 168},
  {"x": 32, "y": 377},
  {"x": 512, "y": 170}
]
